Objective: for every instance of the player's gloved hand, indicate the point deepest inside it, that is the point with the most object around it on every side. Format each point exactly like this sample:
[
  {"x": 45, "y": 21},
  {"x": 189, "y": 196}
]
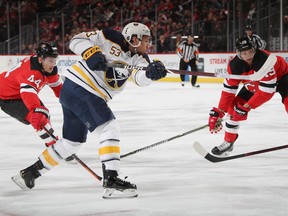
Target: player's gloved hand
[
  {"x": 94, "y": 58},
  {"x": 240, "y": 113},
  {"x": 38, "y": 117},
  {"x": 215, "y": 117},
  {"x": 48, "y": 135},
  {"x": 156, "y": 70}
]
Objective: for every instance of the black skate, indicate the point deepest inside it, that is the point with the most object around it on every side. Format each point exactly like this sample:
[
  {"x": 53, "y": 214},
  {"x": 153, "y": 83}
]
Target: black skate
[
  {"x": 114, "y": 187},
  {"x": 224, "y": 149},
  {"x": 26, "y": 178}
]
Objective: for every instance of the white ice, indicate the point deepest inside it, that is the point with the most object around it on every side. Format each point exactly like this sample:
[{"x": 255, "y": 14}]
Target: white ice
[{"x": 172, "y": 179}]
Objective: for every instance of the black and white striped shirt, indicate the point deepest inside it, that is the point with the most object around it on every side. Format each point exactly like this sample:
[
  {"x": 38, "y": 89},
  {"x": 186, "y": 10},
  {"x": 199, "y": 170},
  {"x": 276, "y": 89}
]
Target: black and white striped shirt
[
  {"x": 188, "y": 51},
  {"x": 259, "y": 43}
]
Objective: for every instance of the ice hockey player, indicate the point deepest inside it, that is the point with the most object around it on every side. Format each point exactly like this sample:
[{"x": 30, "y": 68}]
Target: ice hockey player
[
  {"x": 253, "y": 94},
  {"x": 20, "y": 86},
  {"x": 87, "y": 88}
]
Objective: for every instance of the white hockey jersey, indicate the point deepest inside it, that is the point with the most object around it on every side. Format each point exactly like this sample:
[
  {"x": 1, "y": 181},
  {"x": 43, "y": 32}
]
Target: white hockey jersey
[{"x": 106, "y": 84}]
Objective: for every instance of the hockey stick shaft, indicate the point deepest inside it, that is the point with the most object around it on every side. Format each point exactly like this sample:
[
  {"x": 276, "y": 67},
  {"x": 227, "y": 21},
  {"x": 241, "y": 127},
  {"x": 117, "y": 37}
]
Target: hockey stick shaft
[
  {"x": 86, "y": 167},
  {"x": 75, "y": 157},
  {"x": 163, "y": 141},
  {"x": 254, "y": 77},
  {"x": 134, "y": 67},
  {"x": 216, "y": 159}
]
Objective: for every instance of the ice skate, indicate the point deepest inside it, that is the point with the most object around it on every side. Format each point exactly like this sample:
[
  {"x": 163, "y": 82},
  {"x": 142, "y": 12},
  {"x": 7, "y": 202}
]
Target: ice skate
[
  {"x": 224, "y": 149},
  {"x": 115, "y": 187},
  {"x": 26, "y": 178}
]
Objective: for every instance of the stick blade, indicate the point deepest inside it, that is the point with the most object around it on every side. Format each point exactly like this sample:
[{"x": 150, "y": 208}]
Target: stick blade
[
  {"x": 197, "y": 146},
  {"x": 214, "y": 159}
]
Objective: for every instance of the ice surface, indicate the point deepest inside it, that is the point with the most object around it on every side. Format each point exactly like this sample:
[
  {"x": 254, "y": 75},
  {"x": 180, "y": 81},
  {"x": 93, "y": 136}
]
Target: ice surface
[{"x": 172, "y": 178}]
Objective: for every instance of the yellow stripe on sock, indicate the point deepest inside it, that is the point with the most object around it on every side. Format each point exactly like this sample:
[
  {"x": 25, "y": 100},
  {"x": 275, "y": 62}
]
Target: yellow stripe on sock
[
  {"x": 49, "y": 159},
  {"x": 109, "y": 150},
  {"x": 88, "y": 80}
]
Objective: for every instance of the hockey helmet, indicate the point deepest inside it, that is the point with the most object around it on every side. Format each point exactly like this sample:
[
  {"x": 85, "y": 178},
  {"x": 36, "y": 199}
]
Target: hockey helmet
[
  {"x": 47, "y": 50},
  {"x": 135, "y": 29},
  {"x": 244, "y": 43}
]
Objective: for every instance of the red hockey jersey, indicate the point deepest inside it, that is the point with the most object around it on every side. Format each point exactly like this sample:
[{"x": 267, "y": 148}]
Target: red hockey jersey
[
  {"x": 26, "y": 81},
  {"x": 263, "y": 89}
]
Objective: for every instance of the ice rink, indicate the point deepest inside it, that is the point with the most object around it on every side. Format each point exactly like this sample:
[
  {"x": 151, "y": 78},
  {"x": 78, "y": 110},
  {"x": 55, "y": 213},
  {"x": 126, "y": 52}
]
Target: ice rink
[{"x": 172, "y": 179}]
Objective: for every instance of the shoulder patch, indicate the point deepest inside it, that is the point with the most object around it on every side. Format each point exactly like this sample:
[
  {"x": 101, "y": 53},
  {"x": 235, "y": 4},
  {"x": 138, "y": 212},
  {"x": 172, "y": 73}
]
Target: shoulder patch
[{"x": 115, "y": 37}]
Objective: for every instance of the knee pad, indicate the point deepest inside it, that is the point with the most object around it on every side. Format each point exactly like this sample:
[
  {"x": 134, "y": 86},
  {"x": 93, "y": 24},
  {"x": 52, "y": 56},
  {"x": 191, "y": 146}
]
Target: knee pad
[
  {"x": 109, "y": 131},
  {"x": 66, "y": 148}
]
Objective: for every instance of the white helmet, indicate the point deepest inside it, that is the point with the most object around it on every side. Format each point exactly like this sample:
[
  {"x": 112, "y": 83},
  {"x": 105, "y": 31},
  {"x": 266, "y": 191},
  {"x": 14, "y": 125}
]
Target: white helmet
[{"x": 135, "y": 29}]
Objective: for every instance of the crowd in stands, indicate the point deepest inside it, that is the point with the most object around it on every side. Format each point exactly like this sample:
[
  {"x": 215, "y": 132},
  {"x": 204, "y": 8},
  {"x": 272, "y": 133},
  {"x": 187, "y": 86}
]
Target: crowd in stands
[{"x": 167, "y": 19}]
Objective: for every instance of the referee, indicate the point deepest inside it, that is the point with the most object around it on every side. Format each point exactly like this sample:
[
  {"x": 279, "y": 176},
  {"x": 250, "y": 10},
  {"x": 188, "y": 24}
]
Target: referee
[
  {"x": 259, "y": 43},
  {"x": 189, "y": 54}
]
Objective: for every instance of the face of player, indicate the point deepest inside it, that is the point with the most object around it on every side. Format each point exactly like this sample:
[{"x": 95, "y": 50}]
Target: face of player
[
  {"x": 144, "y": 45},
  {"x": 48, "y": 63},
  {"x": 248, "y": 56}
]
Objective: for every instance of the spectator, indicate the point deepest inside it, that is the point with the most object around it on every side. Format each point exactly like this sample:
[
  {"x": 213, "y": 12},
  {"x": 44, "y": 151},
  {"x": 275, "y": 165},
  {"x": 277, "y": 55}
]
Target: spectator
[{"x": 162, "y": 44}]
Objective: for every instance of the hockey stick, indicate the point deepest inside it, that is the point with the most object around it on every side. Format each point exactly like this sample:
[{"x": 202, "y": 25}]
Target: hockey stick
[
  {"x": 267, "y": 66},
  {"x": 212, "y": 158},
  {"x": 86, "y": 167},
  {"x": 134, "y": 67},
  {"x": 75, "y": 156},
  {"x": 164, "y": 141}
]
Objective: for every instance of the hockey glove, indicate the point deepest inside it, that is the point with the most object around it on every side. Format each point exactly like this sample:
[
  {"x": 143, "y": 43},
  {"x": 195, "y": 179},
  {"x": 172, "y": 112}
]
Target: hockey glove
[
  {"x": 94, "y": 58},
  {"x": 47, "y": 135},
  {"x": 240, "y": 113},
  {"x": 215, "y": 118},
  {"x": 156, "y": 70},
  {"x": 38, "y": 117}
]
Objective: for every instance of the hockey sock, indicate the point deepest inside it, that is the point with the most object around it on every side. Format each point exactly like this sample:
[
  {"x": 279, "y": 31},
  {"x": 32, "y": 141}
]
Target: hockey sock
[
  {"x": 50, "y": 158},
  {"x": 230, "y": 137},
  {"x": 109, "y": 153}
]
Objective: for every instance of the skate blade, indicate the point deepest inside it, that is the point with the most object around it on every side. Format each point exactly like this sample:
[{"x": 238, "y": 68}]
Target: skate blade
[
  {"x": 112, "y": 193},
  {"x": 18, "y": 180}
]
